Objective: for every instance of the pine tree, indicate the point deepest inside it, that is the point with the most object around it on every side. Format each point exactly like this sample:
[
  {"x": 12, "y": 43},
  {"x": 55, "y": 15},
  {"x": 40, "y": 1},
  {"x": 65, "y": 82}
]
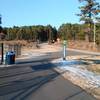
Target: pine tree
[{"x": 89, "y": 10}]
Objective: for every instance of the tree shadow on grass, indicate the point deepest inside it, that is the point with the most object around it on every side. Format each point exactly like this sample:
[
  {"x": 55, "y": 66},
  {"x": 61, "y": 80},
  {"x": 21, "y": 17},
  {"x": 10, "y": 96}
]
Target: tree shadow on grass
[{"x": 92, "y": 60}]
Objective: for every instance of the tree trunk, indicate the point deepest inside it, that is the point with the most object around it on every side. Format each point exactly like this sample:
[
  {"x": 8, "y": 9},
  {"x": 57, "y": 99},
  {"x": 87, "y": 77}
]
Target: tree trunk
[
  {"x": 98, "y": 47},
  {"x": 87, "y": 37}
]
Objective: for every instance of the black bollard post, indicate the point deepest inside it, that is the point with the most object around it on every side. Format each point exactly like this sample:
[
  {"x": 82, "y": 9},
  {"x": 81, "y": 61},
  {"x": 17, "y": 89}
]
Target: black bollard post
[{"x": 2, "y": 50}]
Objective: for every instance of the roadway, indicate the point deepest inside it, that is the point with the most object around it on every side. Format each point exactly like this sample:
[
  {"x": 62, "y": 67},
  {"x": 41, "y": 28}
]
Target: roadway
[{"x": 54, "y": 55}]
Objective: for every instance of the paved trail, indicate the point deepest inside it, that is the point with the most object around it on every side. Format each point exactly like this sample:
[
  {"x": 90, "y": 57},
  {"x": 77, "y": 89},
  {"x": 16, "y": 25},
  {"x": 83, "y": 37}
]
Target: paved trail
[{"x": 38, "y": 81}]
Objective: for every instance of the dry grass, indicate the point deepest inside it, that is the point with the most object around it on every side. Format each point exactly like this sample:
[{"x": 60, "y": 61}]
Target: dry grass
[
  {"x": 94, "y": 68},
  {"x": 82, "y": 45}
]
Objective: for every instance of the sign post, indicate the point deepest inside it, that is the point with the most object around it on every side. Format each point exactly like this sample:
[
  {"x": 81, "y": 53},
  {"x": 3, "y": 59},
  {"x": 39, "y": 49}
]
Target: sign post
[
  {"x": 2, "y": 36},
  {"x": 64, "y": 50}
]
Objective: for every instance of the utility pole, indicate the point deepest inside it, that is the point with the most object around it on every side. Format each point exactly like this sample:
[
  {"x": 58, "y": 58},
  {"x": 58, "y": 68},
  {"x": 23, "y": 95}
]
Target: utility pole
[{"x": 0, "y": 20}]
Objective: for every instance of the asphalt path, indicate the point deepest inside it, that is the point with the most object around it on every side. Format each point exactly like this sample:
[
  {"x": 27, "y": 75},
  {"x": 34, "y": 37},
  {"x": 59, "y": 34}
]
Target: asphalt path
[{"x": 38, "y": 81}]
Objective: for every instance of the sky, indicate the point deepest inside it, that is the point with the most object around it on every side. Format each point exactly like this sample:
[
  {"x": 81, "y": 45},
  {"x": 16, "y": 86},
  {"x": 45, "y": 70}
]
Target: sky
[{"x": 38, "y": 12}]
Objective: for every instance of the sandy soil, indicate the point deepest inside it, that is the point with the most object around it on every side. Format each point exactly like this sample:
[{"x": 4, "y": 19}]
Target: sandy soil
[{"x": 42, "y": 50}]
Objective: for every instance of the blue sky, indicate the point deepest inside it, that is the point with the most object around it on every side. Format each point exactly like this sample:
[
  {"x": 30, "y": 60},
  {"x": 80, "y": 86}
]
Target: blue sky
[{"x": 38, "y": 12}]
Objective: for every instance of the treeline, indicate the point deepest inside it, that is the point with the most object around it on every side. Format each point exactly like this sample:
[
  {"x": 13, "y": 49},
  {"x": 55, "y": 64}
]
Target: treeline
[
  {"x": 79, "y": 32},
  {"x": 34, "y": 33},
  {"x": 48, "y": 33}
]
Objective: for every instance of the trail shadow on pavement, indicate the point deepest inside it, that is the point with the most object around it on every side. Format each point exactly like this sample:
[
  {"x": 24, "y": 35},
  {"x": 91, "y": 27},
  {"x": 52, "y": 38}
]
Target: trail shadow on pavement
[
  {"x": 92, "y": 60},
  {"x": 24, "y": 87}
]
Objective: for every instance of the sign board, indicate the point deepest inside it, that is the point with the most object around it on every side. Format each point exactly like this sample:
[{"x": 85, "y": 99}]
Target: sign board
[{"x": 64, "y": 42}]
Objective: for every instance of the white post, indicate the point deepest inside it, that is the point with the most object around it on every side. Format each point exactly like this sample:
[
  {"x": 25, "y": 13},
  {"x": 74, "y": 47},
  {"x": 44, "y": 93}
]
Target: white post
[
  {"x": 64, "y": 56},
  {"x": 64, "y": 50}
]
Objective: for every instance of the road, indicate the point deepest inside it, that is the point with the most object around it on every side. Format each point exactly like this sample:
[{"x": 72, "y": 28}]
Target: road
[
  {"x": 38, "y": 81},
  {"x": 51, "y": 56}
]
